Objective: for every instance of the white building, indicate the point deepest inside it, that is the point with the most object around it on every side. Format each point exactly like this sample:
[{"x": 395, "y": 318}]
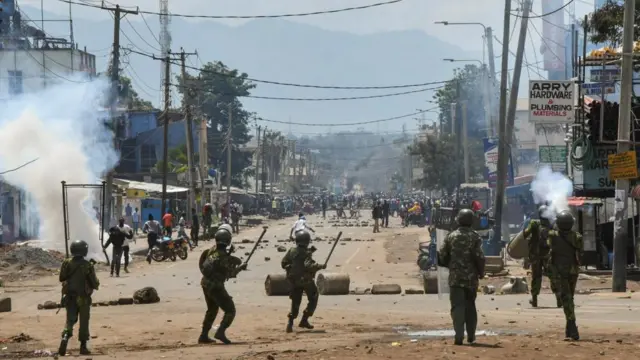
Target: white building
[
  {"x": 29, "y": 70},
  {"x": 525, "y": 133}
]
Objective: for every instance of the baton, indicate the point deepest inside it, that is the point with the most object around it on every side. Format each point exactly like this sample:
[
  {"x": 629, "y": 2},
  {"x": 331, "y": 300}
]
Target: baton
[
  {"x": 332, "y": 248},
  {"x": 264, "y": 231}
]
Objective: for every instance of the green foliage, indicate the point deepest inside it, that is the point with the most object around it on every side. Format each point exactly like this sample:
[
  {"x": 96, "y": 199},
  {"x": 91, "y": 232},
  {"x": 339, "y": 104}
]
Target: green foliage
[
  {"x": 178, "y": 162},
  {"x": 210, "y": 94},
  {"x": 442, "y": 163},
  {"x": 605, "y": 24},
  {"x": 131, "y": 97},
  {"x": 396, "y": 182},
  {"x": 467, "y": 84}
]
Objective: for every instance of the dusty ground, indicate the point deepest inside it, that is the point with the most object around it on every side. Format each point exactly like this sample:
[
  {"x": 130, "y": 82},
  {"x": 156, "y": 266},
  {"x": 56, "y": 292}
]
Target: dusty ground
[{"x": 347, "y": 327}]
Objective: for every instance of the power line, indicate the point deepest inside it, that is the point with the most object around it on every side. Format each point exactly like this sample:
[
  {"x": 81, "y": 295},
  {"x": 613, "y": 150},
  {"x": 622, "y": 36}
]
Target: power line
[
  {"x": 149, "y": 28},
  {"x": 344, "y": 98},
  {"x": 546, "y": 44},
  {"x": 19, "y": 167},
  {"x": 547, "y": 14},
  {"x": 140, "y": 36},
  {"x": 313, "y": 13},
  {"x": 349, "y": 124},
  {"x": 271, "y": 82}
]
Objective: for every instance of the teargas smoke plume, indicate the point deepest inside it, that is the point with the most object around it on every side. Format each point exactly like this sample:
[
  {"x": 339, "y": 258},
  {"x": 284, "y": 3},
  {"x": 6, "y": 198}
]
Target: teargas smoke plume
[
  {"x": 552, "y": 188},
  {"x": 63, "y": 128}
]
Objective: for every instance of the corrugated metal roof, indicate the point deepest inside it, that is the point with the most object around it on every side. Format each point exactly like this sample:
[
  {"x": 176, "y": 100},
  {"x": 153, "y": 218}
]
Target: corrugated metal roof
[{"x": 149, "y": 187}]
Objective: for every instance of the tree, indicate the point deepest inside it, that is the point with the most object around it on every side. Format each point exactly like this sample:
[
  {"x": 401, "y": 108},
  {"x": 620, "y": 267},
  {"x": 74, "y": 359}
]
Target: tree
[
  {"x": 605, "y": 24},
  {"x": 466, "y": 85},
  {"x": 210, "y": 94},
  {"x": 178, "y": 162},
  {"x": 131, "y": 98},
  {"x": 275, "y": 152},
  {"x": 397, "y": 182},
  {"x": 442, "y": 163}
]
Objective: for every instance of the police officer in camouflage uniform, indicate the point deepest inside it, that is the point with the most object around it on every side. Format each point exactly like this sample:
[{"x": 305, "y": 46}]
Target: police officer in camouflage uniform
[
  {"x": 462, "y": 253},
  {"x": 537, "y": 233},
  {"x": 217, "y": 265},
  {"x": 301, "y": 270},
  {"x": 79, "y": 280},
  {"x": 566, "y": 253}
]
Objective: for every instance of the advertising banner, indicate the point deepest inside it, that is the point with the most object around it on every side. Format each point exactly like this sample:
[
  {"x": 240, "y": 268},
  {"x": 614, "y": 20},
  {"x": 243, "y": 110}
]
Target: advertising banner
[
  {"x": 596, "y": 174},
  {"x": 551, "y": 101},
  {"x": 491, "y": 163}
]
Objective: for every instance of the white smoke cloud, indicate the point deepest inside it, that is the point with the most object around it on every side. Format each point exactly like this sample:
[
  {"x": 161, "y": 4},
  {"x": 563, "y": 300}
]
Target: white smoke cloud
[
  {"x": 61, "y": 127},
  {"x": 553, "y": 189}
]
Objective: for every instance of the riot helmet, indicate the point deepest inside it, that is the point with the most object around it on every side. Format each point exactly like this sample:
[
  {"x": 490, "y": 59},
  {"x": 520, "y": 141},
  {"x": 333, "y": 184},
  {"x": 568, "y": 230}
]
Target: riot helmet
[
  {"x": 303, "y": 238},
  {"x": 465, "y": 217},
  {"x": 79, "y": 248},
  {"x": 565, "y": 221},
  {"x": 222, "y": 237}
]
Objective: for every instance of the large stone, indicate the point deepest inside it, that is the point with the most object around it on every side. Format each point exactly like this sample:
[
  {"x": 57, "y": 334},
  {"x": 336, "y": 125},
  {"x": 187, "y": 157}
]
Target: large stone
[
  {"x": 516, "y": 285},
  {"x": 146, "y": 295},
  {"x": 5, "y": 304}
]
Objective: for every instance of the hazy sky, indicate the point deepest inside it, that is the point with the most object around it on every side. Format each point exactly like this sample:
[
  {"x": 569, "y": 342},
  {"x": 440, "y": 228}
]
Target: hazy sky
[{"x": 408, "y": 14}]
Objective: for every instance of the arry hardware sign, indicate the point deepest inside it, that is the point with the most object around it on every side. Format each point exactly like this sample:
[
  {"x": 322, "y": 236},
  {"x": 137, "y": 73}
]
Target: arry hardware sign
[
  {"x": 596, "y": 174},
  {"x": 551, "y": 101}
]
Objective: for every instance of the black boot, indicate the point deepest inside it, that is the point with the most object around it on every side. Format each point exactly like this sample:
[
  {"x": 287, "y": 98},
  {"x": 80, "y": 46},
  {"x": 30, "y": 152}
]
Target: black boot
[
  {"x": 83, "y": 348},
  {"x": 220, "y": 335},
  {"x": 62, "y": 349},
  {"x": 558, "y": 301},
  {"x": 290, "y": 325},
  {"x": 573, "y": 330},
  {"x": 304, "y": 323},
  {"x": 534, "y": 301},
  {"x": 567, "y": 333},
  {"x": 204, "y": 337}
]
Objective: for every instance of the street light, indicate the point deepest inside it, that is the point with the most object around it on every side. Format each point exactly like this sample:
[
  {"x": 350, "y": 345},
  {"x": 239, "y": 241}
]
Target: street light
[
  {"x": 463, "y": 23},
  {"x": 465, "y": 60},
  {"x": 488, "y": 33}
]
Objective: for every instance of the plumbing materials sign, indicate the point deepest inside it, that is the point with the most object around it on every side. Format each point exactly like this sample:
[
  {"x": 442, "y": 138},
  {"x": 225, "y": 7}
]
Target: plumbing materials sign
[
  {"x": 551, "y": 101},
  {"x": 491, "y": 163}
]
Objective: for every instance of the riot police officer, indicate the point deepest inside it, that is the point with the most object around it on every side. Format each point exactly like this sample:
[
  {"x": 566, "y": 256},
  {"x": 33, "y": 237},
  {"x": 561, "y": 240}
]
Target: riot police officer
[
  {"x": 217, "y": 265},
  {"x": 301, "y": 271},
  {"x": 537, "y": 232},
  {"x": 462, "y": 253},
  {"x": 79, "y": 280},
  {"x": 566, "y": 248}
]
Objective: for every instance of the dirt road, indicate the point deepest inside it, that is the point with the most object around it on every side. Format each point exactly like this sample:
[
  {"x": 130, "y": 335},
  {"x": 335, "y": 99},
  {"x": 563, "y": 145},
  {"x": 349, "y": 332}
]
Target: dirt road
[{"x": 353, "y": 326}]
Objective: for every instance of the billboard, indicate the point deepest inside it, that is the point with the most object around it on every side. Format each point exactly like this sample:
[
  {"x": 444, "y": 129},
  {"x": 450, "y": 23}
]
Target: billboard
[
  {"x": 553, "y": 34},
  {"x": 491, "y": 163},
  {"x": 551, "y": 101},
  {"x": 596, "y": 174}
]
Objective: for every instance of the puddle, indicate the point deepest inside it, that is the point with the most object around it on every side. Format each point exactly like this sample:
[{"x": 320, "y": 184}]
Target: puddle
[{"x": 443, "y": 333}]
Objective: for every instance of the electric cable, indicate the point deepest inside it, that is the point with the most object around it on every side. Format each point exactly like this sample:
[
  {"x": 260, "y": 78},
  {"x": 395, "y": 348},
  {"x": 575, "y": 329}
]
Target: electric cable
[
  {"x": 547, "y": 14},
  {"x": 349, "y": 124},
  {"x": 587, "y": 156},
  {"x": 546, "y": 44},
  {"x": 19, "y": 167},
  {"x": 193, "y": 16},
  {"x": 140, "y": 36}
]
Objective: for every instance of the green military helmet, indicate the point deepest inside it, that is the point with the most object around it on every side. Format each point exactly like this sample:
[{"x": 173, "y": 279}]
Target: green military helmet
[
  {"x": 303, "y": 238},
  {"x": 222, "y": 237},
  {"x": 565, "y": 220},
  {"x": 226, "y": 227},
  {"x": 542, "y": 210},
  {"x": 465, "y": 217},
  {"x": 79, "y": 248}
]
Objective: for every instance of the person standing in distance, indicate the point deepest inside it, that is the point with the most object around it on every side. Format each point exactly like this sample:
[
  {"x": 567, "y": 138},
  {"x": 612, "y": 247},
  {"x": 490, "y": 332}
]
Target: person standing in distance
[
  {"x": 462, "y": 253},
  {"x": 566, "y": 253},
  {"x": 153, "y": 229},
  {"x": 301, "y": 272},
  {"x": 79, "y": 280},
  {"x": 299, "y": 225},
  {"x": 217, "y": 265},
  {"x": 537, "y": 232}
]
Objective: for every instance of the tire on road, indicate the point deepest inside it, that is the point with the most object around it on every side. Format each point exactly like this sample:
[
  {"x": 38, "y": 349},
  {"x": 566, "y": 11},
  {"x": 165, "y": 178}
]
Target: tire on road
[
  {"x": 333, "y": 284},
  {"x": 386, "y": 289},
  {"x": 277, "y": 285}
]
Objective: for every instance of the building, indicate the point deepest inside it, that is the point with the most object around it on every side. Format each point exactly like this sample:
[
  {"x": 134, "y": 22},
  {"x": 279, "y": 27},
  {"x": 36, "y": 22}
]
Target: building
[{"x": 526, "y": 151}]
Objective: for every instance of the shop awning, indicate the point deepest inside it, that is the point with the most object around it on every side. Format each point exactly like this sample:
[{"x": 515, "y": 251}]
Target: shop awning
[
  {"x": 148, "y": 187},
  {"x": 580, "y": 201}
]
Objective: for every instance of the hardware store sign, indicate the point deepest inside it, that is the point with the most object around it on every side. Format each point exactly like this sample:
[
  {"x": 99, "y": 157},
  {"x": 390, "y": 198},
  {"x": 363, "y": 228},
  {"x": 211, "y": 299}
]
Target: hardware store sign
[
  {"x": 551, "y": 101},
  {"x": 596, "y": 175}
]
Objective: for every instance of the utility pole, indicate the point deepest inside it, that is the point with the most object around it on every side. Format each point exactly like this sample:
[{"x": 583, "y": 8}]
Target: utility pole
[
  {"x": 165, "y": 135},
  {"x": 230, "y": 110},
  {"x": 622, "y": 186},
  {"x": 115, "y": 86},
  {"x": 187, "y": 94},
  {"x": 492, "y": 59},
  {"x": 204, "y": 159},
  {"x": 463, "y": 108},
  {"x": 272, "y": 174},
  {"x": 490, "y": 82},
  {"x": 506, "y": 131},
  {"x": 263, "y": 167},
  {"x": 453, "y": 118},
  {"x": 258, "y": 160}
]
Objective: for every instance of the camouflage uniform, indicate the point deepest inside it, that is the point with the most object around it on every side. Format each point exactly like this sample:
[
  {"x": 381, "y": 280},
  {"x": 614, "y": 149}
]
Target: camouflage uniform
[
  {"x": 217, "y": 266},
  {"x": 566, "y": 251},
  {"x": 79, "y": 280},
  {"x": 301, "y": 271},
  {"x": 462, "y": 253},
  {"x": 537, "y": 233}
]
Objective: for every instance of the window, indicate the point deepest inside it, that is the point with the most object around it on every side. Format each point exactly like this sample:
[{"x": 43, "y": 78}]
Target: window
[{"x": 15, "y": 82}]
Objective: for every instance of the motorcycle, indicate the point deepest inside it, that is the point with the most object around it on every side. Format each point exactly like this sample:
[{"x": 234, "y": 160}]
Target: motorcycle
[{"x": 167, "y": 248}]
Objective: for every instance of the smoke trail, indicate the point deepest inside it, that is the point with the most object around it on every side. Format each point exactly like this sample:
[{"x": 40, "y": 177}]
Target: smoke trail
[
  {"x": 552, "y": 188},
  {"x": 60, "y": 126}
]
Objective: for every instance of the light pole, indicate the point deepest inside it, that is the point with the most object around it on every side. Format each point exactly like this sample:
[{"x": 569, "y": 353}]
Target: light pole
[{"x": 488, "y": 33}]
